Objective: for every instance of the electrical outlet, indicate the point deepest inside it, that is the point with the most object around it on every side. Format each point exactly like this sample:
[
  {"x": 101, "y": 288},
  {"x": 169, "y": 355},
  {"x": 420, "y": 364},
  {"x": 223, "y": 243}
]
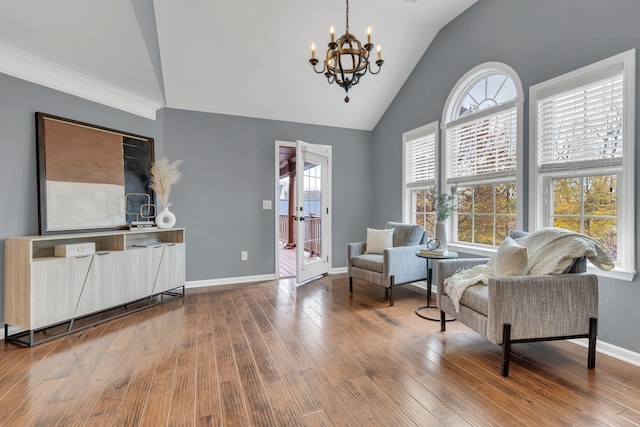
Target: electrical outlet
[
  {"x": 266, "y": 204},
  {"x": 244, "y": 255},
  {"x": 608, "y": 299}
]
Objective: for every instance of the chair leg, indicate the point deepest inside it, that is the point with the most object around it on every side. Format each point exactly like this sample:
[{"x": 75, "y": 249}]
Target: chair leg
[
  {"x": 506, "y": 349},
  {"x": 593, "y": 333},
  {"x": 391, "y": 286},
  {"x": 443, "y": 321},
  {"x": 350, "y": 284}
]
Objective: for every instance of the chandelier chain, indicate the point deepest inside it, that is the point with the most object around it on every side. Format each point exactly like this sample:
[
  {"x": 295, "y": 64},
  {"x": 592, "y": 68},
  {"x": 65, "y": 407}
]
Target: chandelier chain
[{"x": 347, "y": 29}]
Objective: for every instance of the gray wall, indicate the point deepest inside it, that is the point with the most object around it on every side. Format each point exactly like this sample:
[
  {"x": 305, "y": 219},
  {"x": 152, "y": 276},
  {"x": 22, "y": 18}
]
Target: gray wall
[
  {"x": 229, "y": 169},
  {"x": 19, "y": 101},
  {"x": 540, "y": 39}
]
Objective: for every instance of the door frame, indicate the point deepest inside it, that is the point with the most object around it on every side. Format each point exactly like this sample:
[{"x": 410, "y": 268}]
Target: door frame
[{"x": 276, "y": 206}]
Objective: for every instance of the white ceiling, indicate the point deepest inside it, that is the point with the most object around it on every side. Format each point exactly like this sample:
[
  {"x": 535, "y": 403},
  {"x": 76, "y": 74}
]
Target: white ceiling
[{"x": 238, "y": 57}]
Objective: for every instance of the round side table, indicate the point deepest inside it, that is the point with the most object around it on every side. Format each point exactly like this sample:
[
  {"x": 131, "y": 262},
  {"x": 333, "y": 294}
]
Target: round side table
[{"x": 428, "y": 257}]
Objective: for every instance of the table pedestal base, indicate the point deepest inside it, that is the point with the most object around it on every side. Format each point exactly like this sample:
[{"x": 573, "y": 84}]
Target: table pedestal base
[{"x": 435, "y": 311}]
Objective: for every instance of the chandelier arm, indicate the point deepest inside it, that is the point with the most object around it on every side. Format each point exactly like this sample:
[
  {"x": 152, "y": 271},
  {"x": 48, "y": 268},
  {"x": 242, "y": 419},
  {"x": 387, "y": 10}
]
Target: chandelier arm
[
  {"x": 314, "y": 62},
  {"x": 330, "y": 77},
  {"x": 324, "y": 69},
  {"x": 379, "y": 63}
]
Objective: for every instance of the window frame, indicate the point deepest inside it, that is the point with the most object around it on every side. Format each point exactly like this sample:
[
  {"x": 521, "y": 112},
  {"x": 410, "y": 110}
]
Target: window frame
[
  {"x": 407, "y": 191},
  {"x": 540, "y": 208},
  {"x": 450, "y": 114}
]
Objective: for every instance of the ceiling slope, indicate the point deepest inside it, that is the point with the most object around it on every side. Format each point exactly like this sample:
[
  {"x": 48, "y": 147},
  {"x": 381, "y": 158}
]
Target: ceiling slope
[
  {"x": 241, "y": 57},
  {"x": 100, "y": 39},
  {"x": 250, "y": 57}
]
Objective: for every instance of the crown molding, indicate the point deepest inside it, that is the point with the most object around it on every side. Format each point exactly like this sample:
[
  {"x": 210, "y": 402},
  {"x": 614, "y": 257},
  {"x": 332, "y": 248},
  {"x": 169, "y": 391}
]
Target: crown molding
[{"x": 31, "y": 68}]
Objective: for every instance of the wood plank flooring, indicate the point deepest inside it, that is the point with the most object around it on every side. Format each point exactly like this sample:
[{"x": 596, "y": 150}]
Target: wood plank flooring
[{"x": 273, "y": 354}]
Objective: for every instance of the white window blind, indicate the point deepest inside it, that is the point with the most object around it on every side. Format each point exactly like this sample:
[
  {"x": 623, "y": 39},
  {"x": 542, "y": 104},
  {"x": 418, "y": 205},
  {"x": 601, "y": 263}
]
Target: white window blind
[
  {"x": 583, "y": 125},
  {"x": 484, "y": 146},
  {"x": 421, "y": 160}
]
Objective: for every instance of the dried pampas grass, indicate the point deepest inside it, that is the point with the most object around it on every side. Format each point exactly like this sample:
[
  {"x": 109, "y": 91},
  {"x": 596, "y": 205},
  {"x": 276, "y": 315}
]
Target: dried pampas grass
[{"x": 163, "y": 176}]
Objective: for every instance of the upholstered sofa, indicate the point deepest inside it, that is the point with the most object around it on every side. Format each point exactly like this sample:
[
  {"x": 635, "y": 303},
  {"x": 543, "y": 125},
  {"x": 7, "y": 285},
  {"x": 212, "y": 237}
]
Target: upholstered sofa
[
  {"x": 396, "y": 265},
  {"x": 526, "y": 308}
]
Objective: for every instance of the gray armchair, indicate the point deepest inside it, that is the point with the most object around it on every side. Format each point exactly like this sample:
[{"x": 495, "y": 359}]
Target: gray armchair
[
  {"x": 525, "y": 308},
  {"x": 396, "y": 265}
]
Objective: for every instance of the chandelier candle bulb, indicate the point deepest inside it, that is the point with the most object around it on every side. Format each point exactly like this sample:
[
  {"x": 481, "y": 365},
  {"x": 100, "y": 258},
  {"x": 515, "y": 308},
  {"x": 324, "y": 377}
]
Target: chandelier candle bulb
[
  {"x": 313, "y": 51},
  {"x": 379, "y": 53},
  {"x": 332, "y": 32},
  {"x": 369, "y": 34}
]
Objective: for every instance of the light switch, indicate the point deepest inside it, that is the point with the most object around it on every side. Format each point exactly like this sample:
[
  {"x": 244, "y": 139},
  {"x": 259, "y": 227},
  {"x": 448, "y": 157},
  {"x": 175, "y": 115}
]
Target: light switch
[{"x": 266, "y": 204}]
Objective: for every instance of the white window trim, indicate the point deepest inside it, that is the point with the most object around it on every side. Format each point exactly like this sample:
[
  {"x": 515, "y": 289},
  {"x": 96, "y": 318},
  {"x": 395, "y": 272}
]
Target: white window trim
[
  {"x": 625, "y": 267},
  {"x": 406, "y": 138},
  {"x": 449, "y": 115}
]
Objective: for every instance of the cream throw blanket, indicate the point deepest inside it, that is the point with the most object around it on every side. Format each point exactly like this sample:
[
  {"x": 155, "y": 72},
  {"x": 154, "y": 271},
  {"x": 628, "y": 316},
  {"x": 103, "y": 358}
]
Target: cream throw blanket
[{"x": 550, "y": 250}]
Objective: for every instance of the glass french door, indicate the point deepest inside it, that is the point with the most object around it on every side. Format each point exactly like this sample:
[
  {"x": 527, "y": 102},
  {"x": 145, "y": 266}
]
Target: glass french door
[{"x": 312, "y": 216}]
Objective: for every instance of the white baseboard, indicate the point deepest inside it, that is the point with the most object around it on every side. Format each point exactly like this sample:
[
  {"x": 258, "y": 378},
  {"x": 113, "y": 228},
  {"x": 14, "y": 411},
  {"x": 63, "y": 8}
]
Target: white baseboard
[
  {"x": 2, "y": 334},
  {"x": 245, "y": 279},
  {"x": 420, "y": 287},
  {"x": 628, "y": 356},
  {"x": 229, "y": 281}
]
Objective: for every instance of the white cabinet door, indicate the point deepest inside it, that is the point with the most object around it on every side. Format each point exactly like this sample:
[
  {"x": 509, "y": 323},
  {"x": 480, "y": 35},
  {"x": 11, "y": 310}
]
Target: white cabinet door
[
  {"x": 56, "y": 285},
  {"x": 171, "y": 272},
  {"x": 142, "y": 269},
  {"x": 105, "y": 285}
]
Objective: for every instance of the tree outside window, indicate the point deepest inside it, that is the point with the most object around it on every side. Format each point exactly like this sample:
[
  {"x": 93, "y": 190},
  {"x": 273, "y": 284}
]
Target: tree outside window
[{"x": 588, "y": 205}]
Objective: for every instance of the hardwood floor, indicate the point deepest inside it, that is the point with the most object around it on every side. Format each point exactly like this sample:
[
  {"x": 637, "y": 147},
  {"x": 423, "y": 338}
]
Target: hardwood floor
[{"x": 273, "y": 354}]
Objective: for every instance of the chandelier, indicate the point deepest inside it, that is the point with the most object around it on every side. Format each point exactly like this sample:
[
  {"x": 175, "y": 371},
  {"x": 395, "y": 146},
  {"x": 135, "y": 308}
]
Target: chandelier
[{"x": 347, "y": 60}]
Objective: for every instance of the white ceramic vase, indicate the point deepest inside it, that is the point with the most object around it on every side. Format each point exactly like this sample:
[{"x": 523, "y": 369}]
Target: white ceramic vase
[
  {"x": 441, "y": 235},
  {"x": 165, "y": 219}
]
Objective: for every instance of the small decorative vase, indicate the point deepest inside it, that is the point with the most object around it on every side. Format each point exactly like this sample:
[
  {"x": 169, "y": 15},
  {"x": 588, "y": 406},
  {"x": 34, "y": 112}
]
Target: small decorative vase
[
  {"x": 165, "y": 219},
  {"x": 441, "y": 235}
]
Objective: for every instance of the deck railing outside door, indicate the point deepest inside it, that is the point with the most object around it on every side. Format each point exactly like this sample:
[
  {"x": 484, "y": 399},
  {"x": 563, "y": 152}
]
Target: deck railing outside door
[{"x": 312, "y": 232}]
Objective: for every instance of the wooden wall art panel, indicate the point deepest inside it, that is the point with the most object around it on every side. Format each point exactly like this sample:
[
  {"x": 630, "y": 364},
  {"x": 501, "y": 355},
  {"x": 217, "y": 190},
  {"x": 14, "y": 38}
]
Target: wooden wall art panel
[{"x": 85, "y": 172}]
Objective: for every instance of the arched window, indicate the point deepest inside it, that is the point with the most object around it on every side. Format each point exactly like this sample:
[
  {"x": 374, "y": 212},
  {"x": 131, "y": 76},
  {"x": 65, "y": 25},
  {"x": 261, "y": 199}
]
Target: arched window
[{"x": 482, "y": 139}]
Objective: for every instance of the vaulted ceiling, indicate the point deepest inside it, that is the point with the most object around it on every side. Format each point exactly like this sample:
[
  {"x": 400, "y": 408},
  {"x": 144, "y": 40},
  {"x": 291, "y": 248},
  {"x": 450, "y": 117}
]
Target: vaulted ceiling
[{"x": 239, "y": 57}]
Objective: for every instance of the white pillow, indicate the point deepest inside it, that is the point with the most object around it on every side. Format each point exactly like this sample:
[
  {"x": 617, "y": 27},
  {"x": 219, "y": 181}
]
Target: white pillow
[
  {"x": 511, "y": 259},
  {"x": 378, "y": 240}
]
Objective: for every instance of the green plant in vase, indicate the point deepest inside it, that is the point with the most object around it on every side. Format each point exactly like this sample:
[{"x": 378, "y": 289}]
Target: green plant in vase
[{"x": 445, "y": 204}]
